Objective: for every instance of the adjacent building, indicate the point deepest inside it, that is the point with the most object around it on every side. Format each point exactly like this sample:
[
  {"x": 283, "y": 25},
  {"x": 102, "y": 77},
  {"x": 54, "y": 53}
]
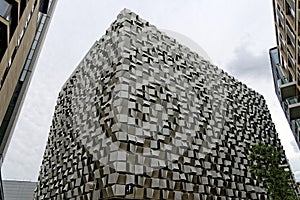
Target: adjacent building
[
  {"x": 18, "y": 190},
  {"x": 144, "y": 117},
  {"x": 285, "y": 60},
  {"x": 23, "y": 25}
]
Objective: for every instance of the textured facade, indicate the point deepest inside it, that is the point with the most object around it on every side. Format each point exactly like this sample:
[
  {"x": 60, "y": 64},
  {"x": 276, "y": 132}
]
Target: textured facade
[
  {"x": 143, "y": 117},
  {"x": 286, "y": 72}
]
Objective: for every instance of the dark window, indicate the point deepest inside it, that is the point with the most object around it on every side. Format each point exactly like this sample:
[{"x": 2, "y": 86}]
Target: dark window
[
  {"x": 3, "y": 39},
  {"x": 14, "y": 16},
  {"x": 129, "y": 188},
  {"x": 44, "y": 6},
  {"x": 22, "y": 6}
]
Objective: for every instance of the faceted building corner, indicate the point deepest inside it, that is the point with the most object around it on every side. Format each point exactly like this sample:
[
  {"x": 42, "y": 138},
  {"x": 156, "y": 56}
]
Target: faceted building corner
[
  {"x": 285, "y": 61},
  {"x": 143, "y": 117}
]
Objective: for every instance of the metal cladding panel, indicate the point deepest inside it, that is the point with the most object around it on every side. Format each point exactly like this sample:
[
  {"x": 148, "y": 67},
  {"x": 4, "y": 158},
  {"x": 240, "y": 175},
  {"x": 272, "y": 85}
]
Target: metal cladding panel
[{"x": 143, "y": 117}]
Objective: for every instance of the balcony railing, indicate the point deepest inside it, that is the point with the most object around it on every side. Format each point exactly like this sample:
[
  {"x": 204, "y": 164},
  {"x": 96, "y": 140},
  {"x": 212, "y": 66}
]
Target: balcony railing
[
  {"x": 282, "y": 81},
  {"x": 292, "y": 100}
]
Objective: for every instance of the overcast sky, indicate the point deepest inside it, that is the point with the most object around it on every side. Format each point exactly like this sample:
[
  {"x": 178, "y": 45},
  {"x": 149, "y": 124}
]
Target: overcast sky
[{"x": 236, "y": 34}]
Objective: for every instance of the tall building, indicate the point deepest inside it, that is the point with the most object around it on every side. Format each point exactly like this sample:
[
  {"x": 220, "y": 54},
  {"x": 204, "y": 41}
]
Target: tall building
[
  {"x": 285, "y": 60},
  {"x": 144, "y": 117},
  {"x": 23, "y": 25}
]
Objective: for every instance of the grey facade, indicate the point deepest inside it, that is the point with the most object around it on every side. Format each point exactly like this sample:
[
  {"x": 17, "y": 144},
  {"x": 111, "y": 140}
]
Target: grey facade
[
  {"x": 143, "y": 117},
  {"x": 18, "y": 190}
]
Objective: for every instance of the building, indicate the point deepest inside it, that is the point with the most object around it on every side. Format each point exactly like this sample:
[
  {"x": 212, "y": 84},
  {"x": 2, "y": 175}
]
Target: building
[
  {"x": 144, "y": 117},
  {"x": 18, "y": 190},
  {"x": 285, "y": 61},
  {"x": 23, "y": 25}
]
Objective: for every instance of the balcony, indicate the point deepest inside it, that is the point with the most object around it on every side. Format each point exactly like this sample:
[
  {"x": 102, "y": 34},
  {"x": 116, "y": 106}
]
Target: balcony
[
  {"x": 287, "y": 89},
  {"x": 293, "y": 105},
  {"x": 294, "y": 110}
]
